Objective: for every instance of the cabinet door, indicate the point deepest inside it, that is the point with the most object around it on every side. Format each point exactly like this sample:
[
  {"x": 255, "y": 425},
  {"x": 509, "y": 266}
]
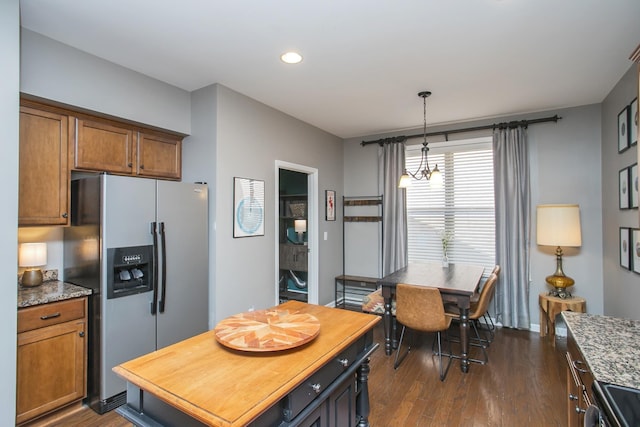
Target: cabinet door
[
  {"x": 342, "y": 405},
  {"x": 51, "y": 368},
  {"x": 159, "y": 156},
  {"x": 44, "y": 173},
  {"x": 293, "y": 257},
  {"x": 103, "y": 147}
]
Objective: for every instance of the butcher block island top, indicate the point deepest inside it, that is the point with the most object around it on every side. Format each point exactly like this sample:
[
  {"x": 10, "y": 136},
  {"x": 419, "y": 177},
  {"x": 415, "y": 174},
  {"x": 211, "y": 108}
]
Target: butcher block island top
[{"x": 222, "y": 386}]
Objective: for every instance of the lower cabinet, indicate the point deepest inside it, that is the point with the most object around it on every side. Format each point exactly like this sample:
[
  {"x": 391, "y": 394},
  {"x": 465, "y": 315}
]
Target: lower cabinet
[
  {"x": 293, "y": 268},
  {"x": 339, "y": 410},
  {"x": 579, "y": 381},
  {"x": 51, "y": 357}
]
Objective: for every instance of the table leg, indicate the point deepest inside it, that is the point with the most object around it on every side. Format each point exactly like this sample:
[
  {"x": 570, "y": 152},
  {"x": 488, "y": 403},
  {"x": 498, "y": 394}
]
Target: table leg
[
  {"x": 543, "y": 321},
  {"x": 362, "y": 400},
  {"x": 464, "y": 339},
  {"x": 387, "y": 321}
]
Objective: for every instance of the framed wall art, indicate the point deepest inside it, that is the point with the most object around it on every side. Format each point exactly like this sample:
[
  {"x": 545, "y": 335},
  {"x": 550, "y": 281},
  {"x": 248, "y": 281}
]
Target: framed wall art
[
  {"x": 633, "y": 122},
  {"x": 633, "y": 186},
  {"x": 635, "y": 249},
  {"x": 623, "y": 129},
  {"x": 330, "y": 201},
  {"x": 623, "y": 188},
  {"x": 248, "y": 207},
  {"x": 625, "y": 248}
]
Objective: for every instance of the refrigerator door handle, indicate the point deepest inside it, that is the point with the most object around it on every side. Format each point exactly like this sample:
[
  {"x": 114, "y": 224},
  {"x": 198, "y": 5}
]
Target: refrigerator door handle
[
  {"x": 163, "y": 240},
  {"x": 154, "y": 303}
]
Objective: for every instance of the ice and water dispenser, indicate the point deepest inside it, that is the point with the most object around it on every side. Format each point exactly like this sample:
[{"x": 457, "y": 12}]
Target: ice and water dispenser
[{"x": 130, "y": 271}]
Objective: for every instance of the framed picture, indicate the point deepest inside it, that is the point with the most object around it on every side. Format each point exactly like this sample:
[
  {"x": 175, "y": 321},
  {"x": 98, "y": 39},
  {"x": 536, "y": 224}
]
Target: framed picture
[
  {"x": 633, "y": 122},
  {"x": 248, "y": 207},
  {"x": 625, "y": 248},
  {"x": 330, "y": 201},
  {"x": 633, "y": 185},
  {"x": 623, "y": 188},
  {"x": 635, "y": 249},
  {"x": 623, "y": 129}
]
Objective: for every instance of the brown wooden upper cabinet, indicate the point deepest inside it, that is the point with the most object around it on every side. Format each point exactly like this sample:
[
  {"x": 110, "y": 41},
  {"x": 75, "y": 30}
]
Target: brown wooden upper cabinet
[
  {"x": 159, "y": 156},
  {"x": 103, "y": 147},
  {"x": 56, "y": 140},
  {"x": 44, "y": 173},
  {"x": 119, "y": 149}
]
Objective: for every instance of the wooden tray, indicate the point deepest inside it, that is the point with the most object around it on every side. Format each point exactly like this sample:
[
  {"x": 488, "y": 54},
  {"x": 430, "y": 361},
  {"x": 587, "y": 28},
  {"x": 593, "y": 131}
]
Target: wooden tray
[{"x": 267, "y": 330}]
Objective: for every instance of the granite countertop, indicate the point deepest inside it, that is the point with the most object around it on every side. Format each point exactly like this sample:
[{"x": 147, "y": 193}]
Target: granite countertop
[
  {"x": 50, "y": 291},
  {"x": 609, "y": 345}
]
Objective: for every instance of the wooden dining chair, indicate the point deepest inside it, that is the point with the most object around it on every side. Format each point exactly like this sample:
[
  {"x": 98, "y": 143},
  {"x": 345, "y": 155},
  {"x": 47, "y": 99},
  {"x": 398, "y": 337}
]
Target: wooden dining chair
[
  {"x": 420, "y": 308},
  {"x": 477, "y": 310}
]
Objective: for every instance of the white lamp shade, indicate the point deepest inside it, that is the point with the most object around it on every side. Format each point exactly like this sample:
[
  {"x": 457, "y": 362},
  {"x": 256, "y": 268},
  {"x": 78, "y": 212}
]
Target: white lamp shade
[
  {"x": 405, "y": 181},
  {"x": 436, "y": 178},
  {"x": 559, "y": 225},
  {"x": 32, "y": 254},
  {"x": 300, "y": 225}
]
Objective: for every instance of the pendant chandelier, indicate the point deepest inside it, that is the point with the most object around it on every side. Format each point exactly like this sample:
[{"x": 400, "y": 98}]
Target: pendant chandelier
[{"x": 433, "y": 176}]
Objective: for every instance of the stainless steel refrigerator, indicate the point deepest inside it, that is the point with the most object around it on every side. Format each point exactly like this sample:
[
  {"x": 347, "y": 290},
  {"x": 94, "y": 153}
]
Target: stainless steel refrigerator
[{"x": 141, "y": 245}]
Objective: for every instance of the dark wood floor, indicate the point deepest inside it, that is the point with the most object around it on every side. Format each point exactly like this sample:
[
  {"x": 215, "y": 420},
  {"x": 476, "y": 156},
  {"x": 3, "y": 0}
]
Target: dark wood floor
[{"x": 524, "y": 384}]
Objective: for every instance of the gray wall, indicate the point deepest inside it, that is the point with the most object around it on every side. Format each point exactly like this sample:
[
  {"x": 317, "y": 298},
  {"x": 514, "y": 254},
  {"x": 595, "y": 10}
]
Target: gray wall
[
  {"x": 199, "y": 164},
  {"x": 52, "y": 70},
  {"x": 621, "y": 286},
  {"x": 9, "y": 88},
  {"x": 565, "y": 160},
  {"x": 249, "y": 138},
  {"x": 565, "y": 168}
]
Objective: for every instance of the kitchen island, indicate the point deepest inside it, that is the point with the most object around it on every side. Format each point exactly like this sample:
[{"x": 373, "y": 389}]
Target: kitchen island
[{"x": 200, "y": 382}]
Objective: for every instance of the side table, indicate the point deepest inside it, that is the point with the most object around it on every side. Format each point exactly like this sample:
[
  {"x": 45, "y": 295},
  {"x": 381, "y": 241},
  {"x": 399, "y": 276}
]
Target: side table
[{"x": 551, "y": 306}]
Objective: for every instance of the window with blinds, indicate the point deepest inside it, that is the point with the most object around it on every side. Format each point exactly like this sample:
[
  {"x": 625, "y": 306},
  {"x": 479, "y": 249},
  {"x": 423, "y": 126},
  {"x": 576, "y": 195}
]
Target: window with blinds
[{"x": 461, "y": 211}]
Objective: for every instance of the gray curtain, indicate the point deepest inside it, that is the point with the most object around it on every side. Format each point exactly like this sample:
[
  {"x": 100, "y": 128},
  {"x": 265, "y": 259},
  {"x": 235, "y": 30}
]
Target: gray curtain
[
  {"x": 394, "y": 218},
  {"x": 512, "y": 210}
]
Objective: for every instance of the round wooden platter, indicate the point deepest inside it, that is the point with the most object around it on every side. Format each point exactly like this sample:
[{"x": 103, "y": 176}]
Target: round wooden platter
[{"x": 267, "y": 330}]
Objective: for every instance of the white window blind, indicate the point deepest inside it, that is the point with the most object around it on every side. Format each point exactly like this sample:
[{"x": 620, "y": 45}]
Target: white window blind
[{"x": 462, "y": 209}]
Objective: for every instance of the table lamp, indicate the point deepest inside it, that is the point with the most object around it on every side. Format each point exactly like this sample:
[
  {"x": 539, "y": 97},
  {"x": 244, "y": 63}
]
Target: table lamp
[
  {"x": 31, "y": 256},
  {"x": 300, "y": 226},
  {"x": 559, "y": 225}
]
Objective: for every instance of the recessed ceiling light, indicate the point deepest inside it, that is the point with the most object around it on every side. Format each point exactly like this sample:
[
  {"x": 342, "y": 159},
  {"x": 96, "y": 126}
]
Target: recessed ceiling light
[{"x": 291, "y": 57}]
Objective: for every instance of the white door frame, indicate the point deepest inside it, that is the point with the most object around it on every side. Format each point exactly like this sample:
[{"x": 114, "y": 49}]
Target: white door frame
[{"x": 312, "y": 230}]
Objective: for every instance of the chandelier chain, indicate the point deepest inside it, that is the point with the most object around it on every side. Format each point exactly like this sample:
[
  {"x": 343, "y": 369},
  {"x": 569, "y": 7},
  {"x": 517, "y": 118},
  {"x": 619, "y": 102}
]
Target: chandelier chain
[{"x": 426, "y": 173}]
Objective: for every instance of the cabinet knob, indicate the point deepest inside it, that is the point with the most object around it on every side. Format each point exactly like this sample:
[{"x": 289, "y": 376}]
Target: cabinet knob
[
  {"x": 344, "y": 362},
  {"x": 573, "y": 396},
  {"x": 65, "y": 215},
  {"x": 580, "y": 410},
  {"x": 316, "y": 387},
  {"x": 81, "y": 333},
  {"x": 130, "y": 165},
  {"x": 141, "y": 166}
]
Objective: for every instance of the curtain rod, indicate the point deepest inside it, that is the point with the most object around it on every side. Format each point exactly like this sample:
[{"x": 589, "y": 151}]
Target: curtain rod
[{"x": 503, "y": 125}]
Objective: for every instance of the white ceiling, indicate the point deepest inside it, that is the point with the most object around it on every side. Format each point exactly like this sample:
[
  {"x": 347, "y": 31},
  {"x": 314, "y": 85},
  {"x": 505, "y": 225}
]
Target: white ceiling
[{"x": 364, "y": 60}]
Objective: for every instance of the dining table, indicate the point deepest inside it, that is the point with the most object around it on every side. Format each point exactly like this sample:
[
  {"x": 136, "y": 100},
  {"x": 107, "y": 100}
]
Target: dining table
[{"x": 458, "y": 284}]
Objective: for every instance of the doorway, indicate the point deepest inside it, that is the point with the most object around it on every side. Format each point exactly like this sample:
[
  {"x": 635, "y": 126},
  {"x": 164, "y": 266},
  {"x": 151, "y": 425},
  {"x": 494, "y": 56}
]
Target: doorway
[{"x": 296, "y": 233}]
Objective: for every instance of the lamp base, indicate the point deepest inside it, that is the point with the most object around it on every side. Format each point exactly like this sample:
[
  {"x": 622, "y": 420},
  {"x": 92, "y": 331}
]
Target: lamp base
[
  {"x": 32, "y": 278},
  {"x": 560, "y": 284}
]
